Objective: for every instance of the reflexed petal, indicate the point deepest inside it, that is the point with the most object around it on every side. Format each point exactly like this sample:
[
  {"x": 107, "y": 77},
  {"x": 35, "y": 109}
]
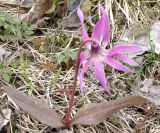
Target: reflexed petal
[
  {"x": 100, "y": 75},
  {"x": 124, "y": 48},
  {"x": 101, "y": 29},
  {"x": 81, "y": 73},
  {"x": 125, "y": 59},
  {"x": 106, "y": 34},
  {"x": 81, "y": 17},
  {"x": 83, "y": 56},
  {"x": 117, "y": 65}
]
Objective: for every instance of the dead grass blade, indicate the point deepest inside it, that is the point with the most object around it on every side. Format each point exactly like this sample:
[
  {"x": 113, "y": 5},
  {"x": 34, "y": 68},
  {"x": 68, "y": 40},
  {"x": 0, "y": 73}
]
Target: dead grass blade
[
  {"x": 95, "y": 113},
  {"x": 35, "y": 107}
]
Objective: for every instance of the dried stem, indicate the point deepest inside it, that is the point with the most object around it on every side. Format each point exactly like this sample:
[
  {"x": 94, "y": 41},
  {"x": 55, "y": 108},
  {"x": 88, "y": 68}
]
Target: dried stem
[{"x": 66, "y": 121}]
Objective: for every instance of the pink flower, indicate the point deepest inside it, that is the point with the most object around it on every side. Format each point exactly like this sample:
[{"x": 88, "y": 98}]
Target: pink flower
[{"x": 97, "y": 55}]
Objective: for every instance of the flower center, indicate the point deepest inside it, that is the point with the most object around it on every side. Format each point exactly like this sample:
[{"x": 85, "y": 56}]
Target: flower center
[
  {"x": 97, "y": 52},
  {"x": 95, "y": 48}
]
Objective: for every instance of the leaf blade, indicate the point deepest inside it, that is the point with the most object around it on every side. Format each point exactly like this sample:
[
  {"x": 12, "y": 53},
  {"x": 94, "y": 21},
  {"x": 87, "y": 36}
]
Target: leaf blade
[
  {"x": 35, "y": 107},
  {"x": 96, "y": 113}
]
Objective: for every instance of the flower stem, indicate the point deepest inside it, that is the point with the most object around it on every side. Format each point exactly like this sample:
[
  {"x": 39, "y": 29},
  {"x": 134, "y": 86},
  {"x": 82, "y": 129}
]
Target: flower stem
[{"x": 66, "y": 120}]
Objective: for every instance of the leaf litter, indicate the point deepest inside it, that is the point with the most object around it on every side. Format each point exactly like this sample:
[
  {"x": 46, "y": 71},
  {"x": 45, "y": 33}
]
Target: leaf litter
[
  {"x": 37, "y": 10},
  {"x": 4, "y": 54},
  {"x": 150, "y": 90},
  {"x": 148, "y": 38},
  {"x": 5, "y": 116}
]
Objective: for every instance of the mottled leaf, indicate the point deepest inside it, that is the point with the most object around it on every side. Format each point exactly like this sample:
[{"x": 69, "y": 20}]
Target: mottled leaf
[
  {"x": 35, "y": 107},
  {"x": 95, "y": 113}
]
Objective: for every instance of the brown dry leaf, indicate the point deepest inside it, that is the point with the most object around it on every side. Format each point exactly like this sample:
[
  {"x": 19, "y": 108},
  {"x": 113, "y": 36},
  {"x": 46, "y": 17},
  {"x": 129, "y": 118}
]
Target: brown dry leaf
[
  {"x": 35, "y": 107},
  {"x": 37, "y": 42},
  {"x": 42, "y": 22},
  {"x": 95, "y": 113},
  {"x": 148, "y": 89},
  {"x": 72, "y": 20},
  {"x": 38, "y": 10},
  {"x": 86, "y": 7},
  {"x": 65, "y": 90},
  {"x": 48, "y": 66},
  {"x": 73, "y": 4},
  {"x": 4, "y": 117}
]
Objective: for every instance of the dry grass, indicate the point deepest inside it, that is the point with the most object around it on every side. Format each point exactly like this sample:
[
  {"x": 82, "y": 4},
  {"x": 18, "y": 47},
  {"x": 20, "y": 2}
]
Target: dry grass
[{"x": 30, "y": 78}]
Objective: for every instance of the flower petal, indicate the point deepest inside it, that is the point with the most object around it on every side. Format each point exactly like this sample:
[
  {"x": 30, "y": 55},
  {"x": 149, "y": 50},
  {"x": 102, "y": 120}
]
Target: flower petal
[
  {"x": 101, "y": 29},
  {"x": 83, "y": 56},
  {"x": 124, "y": 48},
  {"x": 117, "y": 65},
  {"x": 84, "y": 31},
  {"x": 81, "y": 73},
  {"x": 100, "y": 75},
  {"x": 125, "y": 59}
]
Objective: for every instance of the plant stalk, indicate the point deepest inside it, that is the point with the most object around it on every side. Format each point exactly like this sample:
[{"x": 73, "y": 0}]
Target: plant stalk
[{"x": 66, "y": 120}]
